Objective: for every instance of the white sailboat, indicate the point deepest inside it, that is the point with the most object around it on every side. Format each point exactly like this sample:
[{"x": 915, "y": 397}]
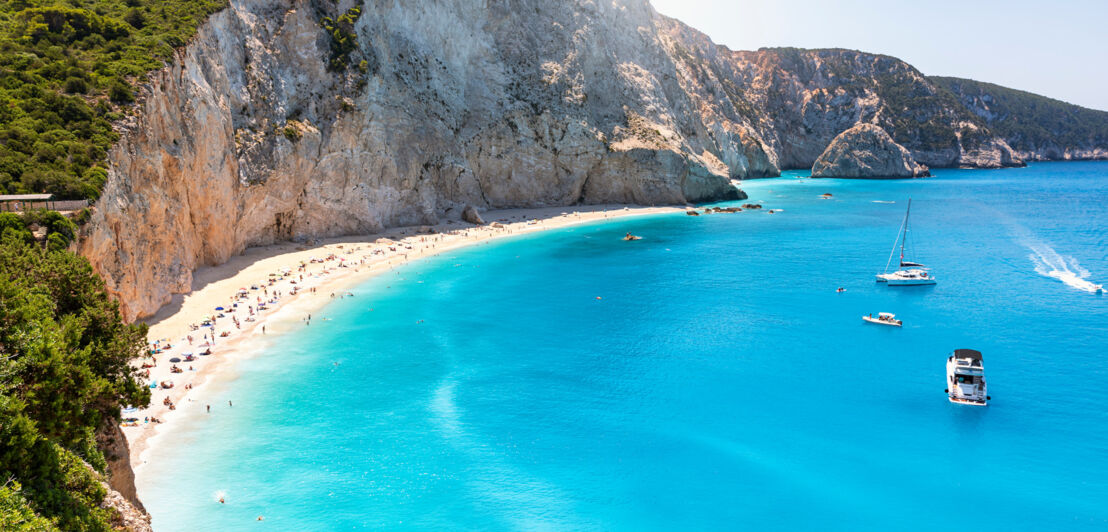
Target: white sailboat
[{"x": 910, "y": 273}]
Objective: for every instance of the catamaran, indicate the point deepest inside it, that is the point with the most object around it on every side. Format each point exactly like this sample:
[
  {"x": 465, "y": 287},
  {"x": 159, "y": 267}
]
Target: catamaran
[
  {"x": 911, "y": 273},
  {"x": 965, "y": 378}
]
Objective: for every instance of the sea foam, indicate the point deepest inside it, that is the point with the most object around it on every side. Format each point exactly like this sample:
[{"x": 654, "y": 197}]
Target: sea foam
[{"x": 1050, "y": 263}]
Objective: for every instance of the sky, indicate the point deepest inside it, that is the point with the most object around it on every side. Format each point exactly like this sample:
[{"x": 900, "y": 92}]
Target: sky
[{"x": 1054, "y": 48}]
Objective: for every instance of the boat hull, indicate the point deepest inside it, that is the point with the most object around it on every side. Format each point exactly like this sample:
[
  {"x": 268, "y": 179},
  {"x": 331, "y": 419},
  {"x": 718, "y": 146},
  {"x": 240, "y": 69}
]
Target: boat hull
[
  {"x": 971, "y": 402},
  {"x": 871, "y": 319},
  {"x": 910, "y": 282}
]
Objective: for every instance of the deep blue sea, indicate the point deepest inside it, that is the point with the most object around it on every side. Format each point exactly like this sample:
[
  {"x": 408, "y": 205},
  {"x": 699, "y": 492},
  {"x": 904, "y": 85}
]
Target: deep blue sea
[{"x": 720, "y": 382}]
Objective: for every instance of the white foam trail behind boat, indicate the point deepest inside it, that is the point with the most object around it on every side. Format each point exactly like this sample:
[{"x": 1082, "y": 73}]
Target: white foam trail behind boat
[
  {"x": 1047, "y": 261},
  {"x": 1064, "y": 268}
]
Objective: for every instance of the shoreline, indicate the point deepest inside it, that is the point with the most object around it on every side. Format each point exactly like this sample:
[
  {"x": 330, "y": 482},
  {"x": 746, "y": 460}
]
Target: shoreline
[{"x": 313, "y": 274}]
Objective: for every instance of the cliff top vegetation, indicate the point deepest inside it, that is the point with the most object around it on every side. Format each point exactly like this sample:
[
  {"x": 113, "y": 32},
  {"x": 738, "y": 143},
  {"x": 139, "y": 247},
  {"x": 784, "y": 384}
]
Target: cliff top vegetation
[
  {"x": 1029, "y": 121},
  {"x": 68, "y": 69}
]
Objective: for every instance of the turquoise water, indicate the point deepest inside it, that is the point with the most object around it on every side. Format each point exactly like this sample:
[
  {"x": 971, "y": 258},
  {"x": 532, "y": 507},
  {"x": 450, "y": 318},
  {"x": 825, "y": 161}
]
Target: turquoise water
[{"x": 720, "y": 382}]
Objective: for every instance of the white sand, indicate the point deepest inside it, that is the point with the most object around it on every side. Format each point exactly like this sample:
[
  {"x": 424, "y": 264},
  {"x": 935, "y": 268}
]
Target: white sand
[{"x": 361, "y": 258}]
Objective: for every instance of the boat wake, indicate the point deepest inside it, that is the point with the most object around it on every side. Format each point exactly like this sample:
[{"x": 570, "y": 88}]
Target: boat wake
[{"x": 1050, "y": 263}]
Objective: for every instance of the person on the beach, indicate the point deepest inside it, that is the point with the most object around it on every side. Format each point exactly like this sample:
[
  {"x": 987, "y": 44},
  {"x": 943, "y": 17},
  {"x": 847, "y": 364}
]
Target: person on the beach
[{"x": 209, "y": 409}]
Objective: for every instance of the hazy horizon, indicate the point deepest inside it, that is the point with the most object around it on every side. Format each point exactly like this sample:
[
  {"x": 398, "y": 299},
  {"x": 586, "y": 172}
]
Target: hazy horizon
[{"x": 1018, "y": 44}]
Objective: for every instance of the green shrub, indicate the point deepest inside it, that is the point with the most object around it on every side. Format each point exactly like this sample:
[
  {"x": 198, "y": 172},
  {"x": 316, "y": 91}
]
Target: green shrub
[
  {"x": 17, "y": 515},
  {"x": 292, "y": 133},
  {"x": 344, "y": 40},
  {"x": 120, "y": 92},
  {"x": 76, "y": 86},
  {"x": 65, "y": 361}
]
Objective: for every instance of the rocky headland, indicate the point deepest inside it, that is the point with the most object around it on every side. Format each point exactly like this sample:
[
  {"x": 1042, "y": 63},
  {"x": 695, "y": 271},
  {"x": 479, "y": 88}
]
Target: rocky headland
[{"x": 866, "y": 151}]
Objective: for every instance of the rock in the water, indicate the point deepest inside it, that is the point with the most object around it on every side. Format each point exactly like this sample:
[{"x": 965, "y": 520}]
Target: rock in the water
[
  {"x": 866, "y": 151},
  {"x": 471, "y": 215}
]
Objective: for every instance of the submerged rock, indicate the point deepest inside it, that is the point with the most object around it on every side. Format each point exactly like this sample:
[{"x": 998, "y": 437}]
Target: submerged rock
[{"x": 866, "y": 151}]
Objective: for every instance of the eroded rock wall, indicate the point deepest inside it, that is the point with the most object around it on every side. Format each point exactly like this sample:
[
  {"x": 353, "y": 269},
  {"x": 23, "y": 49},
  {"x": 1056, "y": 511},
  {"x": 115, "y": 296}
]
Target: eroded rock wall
[{"x": 247, "y": 138}]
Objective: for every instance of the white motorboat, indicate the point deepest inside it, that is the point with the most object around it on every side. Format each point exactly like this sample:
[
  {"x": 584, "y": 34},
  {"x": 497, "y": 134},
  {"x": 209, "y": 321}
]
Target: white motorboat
[
  {"x": 883, "y": 318},
  {"x": 965, "y": 378},
  {"x": 911, "y": 273}
]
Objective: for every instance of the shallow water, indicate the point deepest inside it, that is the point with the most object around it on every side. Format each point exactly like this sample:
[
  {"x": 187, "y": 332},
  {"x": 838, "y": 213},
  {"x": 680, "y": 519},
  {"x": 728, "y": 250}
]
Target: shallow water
[{"x": 718, "y": 382}]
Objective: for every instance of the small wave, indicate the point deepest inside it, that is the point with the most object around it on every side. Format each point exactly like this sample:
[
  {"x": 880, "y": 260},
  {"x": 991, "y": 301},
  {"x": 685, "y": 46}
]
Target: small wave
[
  {"x": 881, "y": 201},
  {"x": 1050, "y": 263}
]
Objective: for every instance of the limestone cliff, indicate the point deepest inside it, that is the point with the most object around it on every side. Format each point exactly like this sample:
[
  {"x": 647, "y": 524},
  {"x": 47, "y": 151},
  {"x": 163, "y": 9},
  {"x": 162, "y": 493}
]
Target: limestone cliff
[
  {"x": 120, "y": 477},
  {"x": 249, "y": 138},
  {"x": 866, "y": 151},
  {"x": 286, "y": 119},
  {"x": 794, "y": 102}
]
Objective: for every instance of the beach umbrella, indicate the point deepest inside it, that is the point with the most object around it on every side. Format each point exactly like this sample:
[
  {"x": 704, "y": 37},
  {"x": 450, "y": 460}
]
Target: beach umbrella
[
  {"x": 219, "y": 308},
  {"x": 175, "y": 359}
]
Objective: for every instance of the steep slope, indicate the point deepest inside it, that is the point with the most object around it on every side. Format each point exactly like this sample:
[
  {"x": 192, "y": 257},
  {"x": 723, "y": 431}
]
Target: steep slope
[
  {"x": 1037, "y": 127},
  {"x": 288, "y": 119},
  {"x": 796, "y": 101},
  {"x": 252, "y": 135}
]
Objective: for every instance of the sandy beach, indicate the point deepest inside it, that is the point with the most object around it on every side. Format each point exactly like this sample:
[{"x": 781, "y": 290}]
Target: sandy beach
[{"x": 267, "y": 290}]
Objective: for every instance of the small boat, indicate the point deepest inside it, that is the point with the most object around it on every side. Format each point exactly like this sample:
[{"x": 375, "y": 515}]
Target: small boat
[
  {"x": 965, "y": 378},
  {"x": 883, "y": 318},
  {"x": 912, "y": 273}
]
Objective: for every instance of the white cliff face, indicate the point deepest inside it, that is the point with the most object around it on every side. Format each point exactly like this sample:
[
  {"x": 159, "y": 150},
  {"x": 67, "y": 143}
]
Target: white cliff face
[{"x": 247, "y": 138}]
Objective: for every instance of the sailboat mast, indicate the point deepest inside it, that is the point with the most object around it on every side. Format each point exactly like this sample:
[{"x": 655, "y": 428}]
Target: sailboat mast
[{"x": 904, "y": 236}]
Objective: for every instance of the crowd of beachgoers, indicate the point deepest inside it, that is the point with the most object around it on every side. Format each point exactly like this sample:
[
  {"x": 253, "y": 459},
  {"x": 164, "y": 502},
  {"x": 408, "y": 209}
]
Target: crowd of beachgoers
[{"x": 283, "y": 287}]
